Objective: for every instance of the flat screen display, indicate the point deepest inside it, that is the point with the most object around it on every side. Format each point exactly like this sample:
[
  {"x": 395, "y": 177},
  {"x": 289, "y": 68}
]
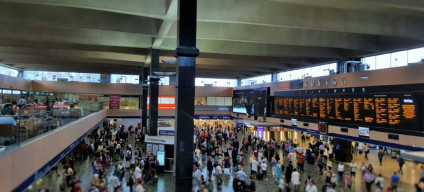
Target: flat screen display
[
  {"x": 294, "y": 122},
  {"x": 251, "y": 101},
  {"x": 161, "y": 158},
  {"x": 364, "y": 132}
]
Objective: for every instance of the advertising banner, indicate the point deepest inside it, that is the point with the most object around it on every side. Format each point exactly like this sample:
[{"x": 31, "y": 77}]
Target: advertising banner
[
  {"x": 260, "y": 132},
  {"x": 114, "y": 101}
]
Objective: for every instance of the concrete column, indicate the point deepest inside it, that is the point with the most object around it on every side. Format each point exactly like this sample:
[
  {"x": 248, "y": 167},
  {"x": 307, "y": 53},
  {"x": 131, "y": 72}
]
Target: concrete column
[
  {"x": 154, "y": 93},
  {"x": 144, "y": 100},
  {"x": 187, "y": 53}
]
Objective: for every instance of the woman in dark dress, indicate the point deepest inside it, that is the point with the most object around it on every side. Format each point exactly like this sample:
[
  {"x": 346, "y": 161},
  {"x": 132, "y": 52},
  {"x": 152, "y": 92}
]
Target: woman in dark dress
[{"x": 289, "y": 171}]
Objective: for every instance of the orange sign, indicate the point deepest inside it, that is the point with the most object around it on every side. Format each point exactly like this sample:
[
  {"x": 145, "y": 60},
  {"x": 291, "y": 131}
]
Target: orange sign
[{"x": 164, "y": 102}]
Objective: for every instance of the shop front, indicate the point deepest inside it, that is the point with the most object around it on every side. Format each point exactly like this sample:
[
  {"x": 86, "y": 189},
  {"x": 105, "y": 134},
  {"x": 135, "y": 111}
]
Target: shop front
[{"x": 263, "y": 130}]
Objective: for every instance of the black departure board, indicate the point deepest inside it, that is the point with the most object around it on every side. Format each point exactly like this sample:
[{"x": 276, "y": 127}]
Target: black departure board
[
  {"x": 322, "y": 108},
  {"x": 302, "y": 107},
  {"x": 381, "y": 116},
  {"x": 315, "y": 107},
  {"x": 397, "y": 110}
]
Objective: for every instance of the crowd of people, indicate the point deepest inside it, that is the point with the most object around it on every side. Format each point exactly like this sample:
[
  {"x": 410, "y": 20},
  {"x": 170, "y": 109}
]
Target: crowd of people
[
  {"x": 226, "y": 152},
  {"x": 223, "y": 154}
]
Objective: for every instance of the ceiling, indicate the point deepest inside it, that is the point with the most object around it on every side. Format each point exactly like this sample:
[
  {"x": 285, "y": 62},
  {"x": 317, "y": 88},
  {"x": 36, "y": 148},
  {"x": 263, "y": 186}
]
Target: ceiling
[{"x": 236, "y": 38}]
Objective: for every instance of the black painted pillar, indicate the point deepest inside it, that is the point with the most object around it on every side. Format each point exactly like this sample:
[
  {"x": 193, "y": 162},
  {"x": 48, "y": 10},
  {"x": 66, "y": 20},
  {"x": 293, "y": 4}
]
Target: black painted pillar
[
  {"x": 144, "y": 100},
  {"x": 154, "y": 93},
  {"x": 187, "y": 53}
]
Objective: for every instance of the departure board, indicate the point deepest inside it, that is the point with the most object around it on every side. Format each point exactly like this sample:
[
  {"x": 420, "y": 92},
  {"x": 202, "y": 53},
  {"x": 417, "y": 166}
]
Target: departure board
[
  {"x": 393, "y": 110},
  {"x": 302, "y": 107},
  {"x": 381, "y": 116},
  {"x": 358, "y": 108},
  {"x": 322, "y": 108},
  {"x": 331, "y": 112},
  {"x": 315, "y": 107},
  {"x": 396, "y": 110},
  {"x": 369, "y": 110},
  {"x": 347, "y": 113},
  {"x": 286, "y": 106},
  {"x": 296, "y": 106},
  {"x": 308, "y": 106}
]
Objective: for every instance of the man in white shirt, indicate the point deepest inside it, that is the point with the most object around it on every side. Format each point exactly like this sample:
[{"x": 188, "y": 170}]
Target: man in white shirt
[
  {"x": 114, "y": 181},
  {"x": 197, "y": 151},
  {"x": 254, "y": 168},
  {"x": 264, "y": 167}
]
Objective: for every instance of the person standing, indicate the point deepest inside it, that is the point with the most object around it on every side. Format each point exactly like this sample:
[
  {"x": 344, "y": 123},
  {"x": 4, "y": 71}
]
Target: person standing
[
  {"x": 300, "y": 162},
  {"x": 340, "y": 169},
  {"x": 254, "y": 168},
  {"x": 274, "y": 167},
  {"x": 352, "y": 167},
  {"x": 380, "y": 156},
  {"x": 264, "y": 167},
  {"x": 278, "y": 175},
  {"x": 395, "y": 181}
]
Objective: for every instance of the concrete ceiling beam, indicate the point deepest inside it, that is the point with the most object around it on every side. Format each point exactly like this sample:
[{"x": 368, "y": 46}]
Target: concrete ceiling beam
[
  {"x": 72, "y": 35},
  {"x": 147, "y": 8},
  {"x": 273, "y": 13},
  {"x": 257, "y": 49},
  {"x": 76, "y": 18}
]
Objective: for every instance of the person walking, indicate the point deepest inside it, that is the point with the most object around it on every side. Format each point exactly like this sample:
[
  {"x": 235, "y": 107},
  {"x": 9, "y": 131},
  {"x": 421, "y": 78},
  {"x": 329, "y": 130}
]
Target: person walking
[
  {"x": 368, "y": 178},
  {"x": 400, "y": 161},
  {"x": 295, "y": 179},
  {"x": 281, "y": 184},
  {"x": 379, "y": 183},
  {"x": 380, "y": 156}
]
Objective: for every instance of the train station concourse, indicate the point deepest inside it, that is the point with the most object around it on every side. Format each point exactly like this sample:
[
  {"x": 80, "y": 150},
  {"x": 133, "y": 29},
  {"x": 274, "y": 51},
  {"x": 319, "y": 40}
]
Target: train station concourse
[{"x": 211, "y": 95}]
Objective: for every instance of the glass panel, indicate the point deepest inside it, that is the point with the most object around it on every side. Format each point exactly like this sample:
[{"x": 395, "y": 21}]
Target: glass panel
[
  {"x": 383, "y": 61},
  {"x": 399, "y": 59},
  {"x": 370, "y": 61},
  {"x": 415, "y": 55}
]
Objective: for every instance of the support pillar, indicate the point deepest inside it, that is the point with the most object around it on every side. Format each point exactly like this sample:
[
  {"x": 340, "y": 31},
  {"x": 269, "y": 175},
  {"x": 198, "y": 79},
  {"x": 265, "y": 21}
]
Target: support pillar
[
  {"x": 187, "y": 53},
  {"x": 154, "y": 93},
  {"x": 144, "y": 100}
]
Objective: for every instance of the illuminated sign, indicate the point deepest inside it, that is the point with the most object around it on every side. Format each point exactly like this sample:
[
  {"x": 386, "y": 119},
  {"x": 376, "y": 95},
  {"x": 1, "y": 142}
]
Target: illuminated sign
[{"x": 161, "y": 158}]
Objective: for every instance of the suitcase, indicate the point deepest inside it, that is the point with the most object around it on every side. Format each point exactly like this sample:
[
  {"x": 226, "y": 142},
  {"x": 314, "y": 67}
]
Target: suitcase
[{"x": 260, "y": 176}]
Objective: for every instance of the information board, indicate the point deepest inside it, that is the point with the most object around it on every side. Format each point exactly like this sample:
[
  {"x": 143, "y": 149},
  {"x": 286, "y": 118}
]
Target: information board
[{"x": 396, "y": 110}]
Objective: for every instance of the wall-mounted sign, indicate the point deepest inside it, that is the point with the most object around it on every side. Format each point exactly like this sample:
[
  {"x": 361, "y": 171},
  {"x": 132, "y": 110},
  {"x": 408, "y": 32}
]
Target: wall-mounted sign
[
  {"x": 114, "y": 101},
  {"x": 260, "y": 132}
]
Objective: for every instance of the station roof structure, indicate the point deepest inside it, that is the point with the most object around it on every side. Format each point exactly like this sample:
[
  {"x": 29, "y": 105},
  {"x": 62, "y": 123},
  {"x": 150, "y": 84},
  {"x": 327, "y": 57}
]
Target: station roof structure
[{"x": 236, "y": 38}]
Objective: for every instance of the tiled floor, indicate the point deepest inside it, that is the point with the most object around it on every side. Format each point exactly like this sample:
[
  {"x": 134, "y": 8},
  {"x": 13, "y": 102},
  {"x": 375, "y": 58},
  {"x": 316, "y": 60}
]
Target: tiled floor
[{"x": 165, "y": 181}]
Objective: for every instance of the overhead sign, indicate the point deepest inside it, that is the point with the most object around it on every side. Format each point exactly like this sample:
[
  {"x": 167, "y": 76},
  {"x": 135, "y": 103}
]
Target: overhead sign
[
  {"x": 213, "y": 117},
  {"x": 159, "y": 140},
  {"x": 167, "y": 132}
]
